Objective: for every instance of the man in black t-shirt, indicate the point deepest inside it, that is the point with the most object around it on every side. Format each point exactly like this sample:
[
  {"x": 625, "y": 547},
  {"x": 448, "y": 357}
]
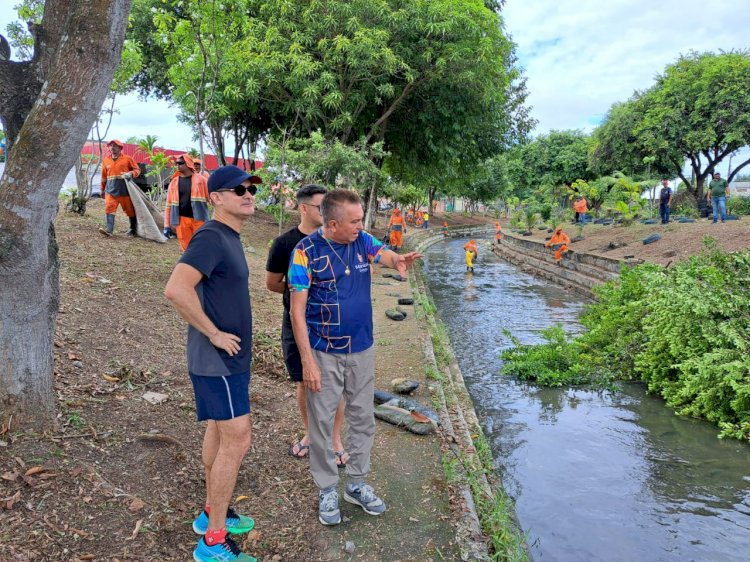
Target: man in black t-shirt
[
  {"x": 308, "y": 198},
  {"x": 209, "y": 289}
]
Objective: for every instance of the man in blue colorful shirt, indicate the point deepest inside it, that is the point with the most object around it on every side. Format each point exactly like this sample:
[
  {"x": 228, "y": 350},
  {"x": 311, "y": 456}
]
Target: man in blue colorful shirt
[{"x": 329, "y": 279}]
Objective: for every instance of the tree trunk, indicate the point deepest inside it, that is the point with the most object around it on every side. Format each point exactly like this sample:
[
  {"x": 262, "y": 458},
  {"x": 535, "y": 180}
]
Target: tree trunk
[
  {"x": 79, "y": 45},
  {"x": 372, "y": 206}
]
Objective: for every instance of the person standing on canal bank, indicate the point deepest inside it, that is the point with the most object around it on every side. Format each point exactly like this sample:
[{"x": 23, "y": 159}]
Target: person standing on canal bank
[
  {"x": 397, "y": 229},
  {"x": 580, "y": 207},
  {"x": 718, "y": 191},
  {"x": 117, "y": 168},
  {"x": 665, "y": 201},
  {"x": 498, "y": 232},
  {"x": 198, "y": 165},
  {"x": 186, "y": 208},
  {"x": 277, "y": 266},
  {"x": 209, "y": 289},
  {"x": 331, "y": 308}
]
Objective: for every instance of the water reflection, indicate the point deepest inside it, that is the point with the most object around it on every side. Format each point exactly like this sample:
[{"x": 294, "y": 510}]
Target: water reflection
[{"x": 595, "y": 475}]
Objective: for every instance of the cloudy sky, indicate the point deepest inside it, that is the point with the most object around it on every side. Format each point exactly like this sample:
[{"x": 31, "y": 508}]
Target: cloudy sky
[{"x": 579, "y": 56}]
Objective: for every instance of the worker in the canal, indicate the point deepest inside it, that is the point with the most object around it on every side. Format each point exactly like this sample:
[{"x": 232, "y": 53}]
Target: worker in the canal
[
  {"x": 470, "y": 260},
  {"x": 397, "y": 228},
  {"x": 445, "y": 229},
  {"x": 471, "y": 246},
  {"x": 498, "y": 232},
  {"x": 561, "y": 240}
]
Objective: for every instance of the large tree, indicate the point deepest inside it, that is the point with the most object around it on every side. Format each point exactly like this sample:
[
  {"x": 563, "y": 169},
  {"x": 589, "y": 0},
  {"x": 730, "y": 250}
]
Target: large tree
[
  {"x": 697, "y": 111},
  {"x": 47, "y": 106},
  {"x": 549, "y": 161}
]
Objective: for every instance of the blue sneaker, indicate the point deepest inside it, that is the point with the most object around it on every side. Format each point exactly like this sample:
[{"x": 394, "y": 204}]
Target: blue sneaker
[
  {"x": 364, "y": 496},
  {"x": 236, "y": 524},
  {"x": 226, "y": 551},
  {"x": 328, "y": 507}
]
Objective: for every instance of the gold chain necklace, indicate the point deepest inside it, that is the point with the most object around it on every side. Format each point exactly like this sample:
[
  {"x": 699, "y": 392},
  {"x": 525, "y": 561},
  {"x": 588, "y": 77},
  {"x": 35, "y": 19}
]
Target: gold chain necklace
[{"x": 347, "y": 271}]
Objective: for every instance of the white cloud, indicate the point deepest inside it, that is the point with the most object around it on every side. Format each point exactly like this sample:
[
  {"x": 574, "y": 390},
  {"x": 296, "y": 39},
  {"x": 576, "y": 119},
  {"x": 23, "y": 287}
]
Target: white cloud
[{"x": 581, "y": 56}]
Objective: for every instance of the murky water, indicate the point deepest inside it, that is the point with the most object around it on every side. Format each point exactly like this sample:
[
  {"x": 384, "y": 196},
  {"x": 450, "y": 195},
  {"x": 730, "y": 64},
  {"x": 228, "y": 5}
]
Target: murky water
[{"x": 595, "y": 475}]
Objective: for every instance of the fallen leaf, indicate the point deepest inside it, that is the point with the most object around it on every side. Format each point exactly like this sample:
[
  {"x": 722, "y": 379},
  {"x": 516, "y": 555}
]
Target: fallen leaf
[
  {"x": 420, "y": 417},
  {"x": 136, "y": 505},
  {"x": 72, "y": 356},
  {"x": 9, "y": 476},
  {"x": 241, "y": 499},
  {"x": 34, "y": 470},
  {"x": 136, "y": 530},
  {"x": 8, "y": 502},
  {"x": 110, "y": 378},
  {"x": 87, "y": 557}
]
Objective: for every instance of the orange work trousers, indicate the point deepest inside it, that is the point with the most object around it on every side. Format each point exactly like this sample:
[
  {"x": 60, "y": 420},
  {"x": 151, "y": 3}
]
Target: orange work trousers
[
  {"x": 396, "y": 238},
  {"x": 185, "y": 231},
  {"x": 560, "y": 251},
  {"x": 111, "y": 202}
]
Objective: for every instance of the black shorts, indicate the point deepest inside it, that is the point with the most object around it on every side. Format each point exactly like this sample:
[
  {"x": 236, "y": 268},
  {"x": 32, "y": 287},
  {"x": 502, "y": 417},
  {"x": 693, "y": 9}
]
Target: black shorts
[{"x": 292, "y": 358}]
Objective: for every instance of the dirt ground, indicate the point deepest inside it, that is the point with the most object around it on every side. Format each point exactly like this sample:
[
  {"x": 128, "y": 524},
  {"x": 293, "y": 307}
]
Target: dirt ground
[{"x": 120, "y": 479}]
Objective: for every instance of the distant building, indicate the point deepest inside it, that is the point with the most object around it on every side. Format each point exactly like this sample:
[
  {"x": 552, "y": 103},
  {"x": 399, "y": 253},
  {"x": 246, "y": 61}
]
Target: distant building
[{"x": 740, "y": 188}]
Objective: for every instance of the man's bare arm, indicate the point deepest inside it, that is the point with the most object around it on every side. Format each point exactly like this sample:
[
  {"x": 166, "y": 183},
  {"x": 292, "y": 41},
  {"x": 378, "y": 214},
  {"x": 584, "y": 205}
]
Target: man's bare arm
[
  {"x": 275, "y": 282},
  {"x": 180, "y": 291}
]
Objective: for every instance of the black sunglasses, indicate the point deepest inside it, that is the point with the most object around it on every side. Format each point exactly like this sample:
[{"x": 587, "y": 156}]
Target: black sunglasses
[
  {"x": 240, "y": 190},
  {"x": 180, "y": 162}
]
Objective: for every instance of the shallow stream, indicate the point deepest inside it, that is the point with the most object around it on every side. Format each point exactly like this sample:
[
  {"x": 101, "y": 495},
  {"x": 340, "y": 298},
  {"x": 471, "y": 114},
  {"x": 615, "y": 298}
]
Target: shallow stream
[{"x": 595, "y": 475}]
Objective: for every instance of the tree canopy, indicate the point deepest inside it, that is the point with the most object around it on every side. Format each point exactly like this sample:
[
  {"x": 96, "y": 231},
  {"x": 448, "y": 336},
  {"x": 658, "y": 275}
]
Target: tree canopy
[{"x": 697, "y": 111}]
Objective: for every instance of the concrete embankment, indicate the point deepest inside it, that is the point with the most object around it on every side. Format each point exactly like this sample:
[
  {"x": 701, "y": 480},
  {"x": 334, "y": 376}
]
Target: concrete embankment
[{"x": 579, "y": 272}]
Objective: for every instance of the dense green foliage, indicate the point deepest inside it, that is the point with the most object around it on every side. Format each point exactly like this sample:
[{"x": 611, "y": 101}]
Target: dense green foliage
[{"x": 684, "y": 331}]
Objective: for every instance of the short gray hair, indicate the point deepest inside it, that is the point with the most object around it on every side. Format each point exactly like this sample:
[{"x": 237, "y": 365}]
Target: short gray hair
[{"x": 334, "y": 200}]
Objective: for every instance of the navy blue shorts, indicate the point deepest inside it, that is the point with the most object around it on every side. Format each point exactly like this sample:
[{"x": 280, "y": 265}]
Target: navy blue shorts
[{"x": 221, "y": 398}]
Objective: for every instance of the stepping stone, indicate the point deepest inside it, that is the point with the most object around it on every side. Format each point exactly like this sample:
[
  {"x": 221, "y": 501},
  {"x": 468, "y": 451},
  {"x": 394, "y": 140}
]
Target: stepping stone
[
  {"x": 653, "y": 238},
  {"x": 649, "y": 221},
  {"x": 684, "y": 220},
  {"x": 401, "y": 310},
  {"x": 404, "y": 386},
  {"x": 395, "y": 314},
  {"x": 405, "y": 301}
]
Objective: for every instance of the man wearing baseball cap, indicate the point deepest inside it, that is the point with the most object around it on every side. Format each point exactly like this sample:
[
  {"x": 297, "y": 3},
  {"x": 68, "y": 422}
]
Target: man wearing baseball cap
[
  {"x": 116, "y": 168},
  {"x": 209, "y": 289}
]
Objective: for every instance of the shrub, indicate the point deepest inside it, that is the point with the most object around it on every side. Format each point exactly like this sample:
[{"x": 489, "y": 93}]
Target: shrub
[
  {"x": 685, "y": 331},
  {"x": 737, "y": 205}
]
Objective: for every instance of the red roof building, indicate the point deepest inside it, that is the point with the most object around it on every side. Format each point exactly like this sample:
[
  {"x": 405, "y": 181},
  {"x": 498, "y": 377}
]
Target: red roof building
[{"x": 210, "y": 162}]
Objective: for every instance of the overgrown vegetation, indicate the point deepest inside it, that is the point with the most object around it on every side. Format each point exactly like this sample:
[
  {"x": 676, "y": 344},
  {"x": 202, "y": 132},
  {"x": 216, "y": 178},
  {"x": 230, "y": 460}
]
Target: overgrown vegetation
[{"x": 684, "y": 331}]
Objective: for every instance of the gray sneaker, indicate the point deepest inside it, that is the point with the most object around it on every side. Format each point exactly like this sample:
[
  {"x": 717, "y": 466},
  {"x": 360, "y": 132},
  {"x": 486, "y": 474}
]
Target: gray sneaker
[
  {"x": 328, "y": 507},
  {"x": 365, "y": 497}
]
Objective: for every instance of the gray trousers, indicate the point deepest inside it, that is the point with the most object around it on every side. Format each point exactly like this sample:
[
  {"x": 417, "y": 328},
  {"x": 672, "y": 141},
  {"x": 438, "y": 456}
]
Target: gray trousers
[{"x": 353, "y": 376}]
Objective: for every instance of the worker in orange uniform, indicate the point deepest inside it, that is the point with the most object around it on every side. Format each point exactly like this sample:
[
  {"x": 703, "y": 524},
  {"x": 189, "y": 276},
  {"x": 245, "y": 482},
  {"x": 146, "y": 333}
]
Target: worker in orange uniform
[
  {"x": 187, "y": 201},
  {"x": 198, "y": 165},
  {"x": 498, "y": 232},
  {"x": 397, "y": 228},
  {"x": 580, "y": 207},
  {"x": 418, "y": 219},
  {"x": 471, "y": 246},
  {"x": 561, "y": 240},
  {"x": 117, "y": 168},
  {"x": 445, "y": 229}
]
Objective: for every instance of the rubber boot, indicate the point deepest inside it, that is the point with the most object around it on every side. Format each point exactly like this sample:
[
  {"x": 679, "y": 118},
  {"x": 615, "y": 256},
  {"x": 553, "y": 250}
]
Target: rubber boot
[
  {"x": 133, "y": 227},
  {"x": 109, "y": 227}
]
